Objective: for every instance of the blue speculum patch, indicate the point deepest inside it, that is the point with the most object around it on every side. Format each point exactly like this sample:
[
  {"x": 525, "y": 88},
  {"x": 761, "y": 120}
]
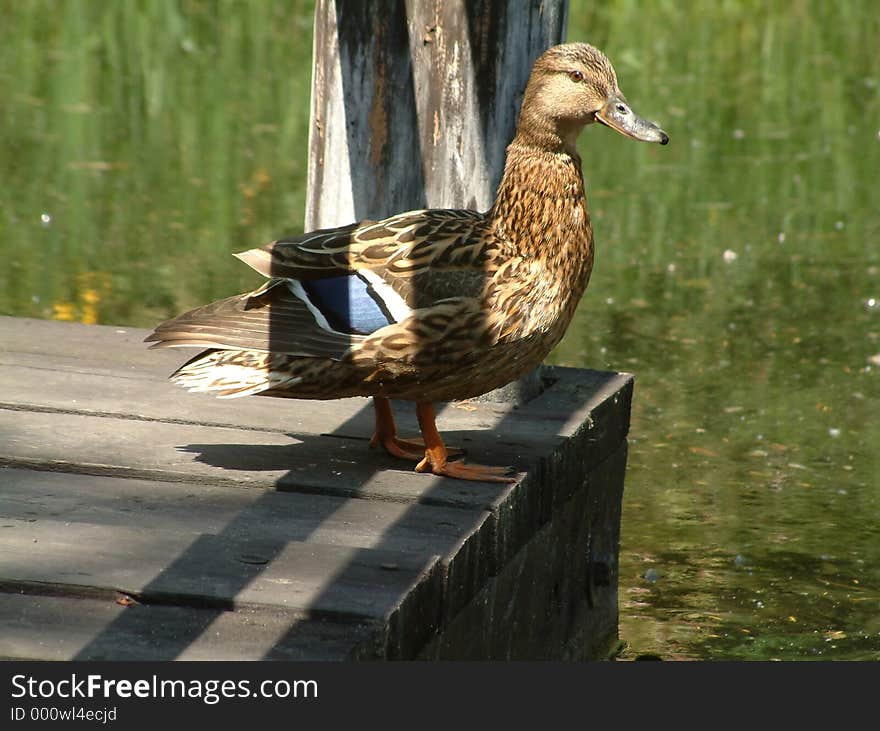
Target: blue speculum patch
[{"x": 349, "y": 303}]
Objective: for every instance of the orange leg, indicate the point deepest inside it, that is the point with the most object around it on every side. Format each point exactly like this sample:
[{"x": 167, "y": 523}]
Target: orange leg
[
  {"x": 436, "y": 454},
  {"x": 386, "y": 434}
]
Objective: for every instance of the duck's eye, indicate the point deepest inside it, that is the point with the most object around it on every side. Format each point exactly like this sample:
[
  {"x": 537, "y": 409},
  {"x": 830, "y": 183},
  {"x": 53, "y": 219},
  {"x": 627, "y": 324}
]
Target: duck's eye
[{"x": 576, "y": 76}]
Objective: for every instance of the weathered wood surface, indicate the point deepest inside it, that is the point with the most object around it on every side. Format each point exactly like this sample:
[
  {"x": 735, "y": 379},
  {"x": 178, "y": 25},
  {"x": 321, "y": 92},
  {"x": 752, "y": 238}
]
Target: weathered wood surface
[
  {"x": 413, "y": 104},
  {"x": 266, "y": 528},
  {"x": 45, "y": 627}
]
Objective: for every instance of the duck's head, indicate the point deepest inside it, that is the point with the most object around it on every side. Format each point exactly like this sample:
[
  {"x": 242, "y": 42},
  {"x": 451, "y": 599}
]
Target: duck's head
[{"x": 573, "y": 85}]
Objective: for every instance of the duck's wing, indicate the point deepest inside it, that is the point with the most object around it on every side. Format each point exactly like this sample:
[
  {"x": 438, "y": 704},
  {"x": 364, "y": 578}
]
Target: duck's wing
[
  {"x": 421, "y": 256},
  {"x": 329, "y": 289},
  {"x": 273, "y": 319}
]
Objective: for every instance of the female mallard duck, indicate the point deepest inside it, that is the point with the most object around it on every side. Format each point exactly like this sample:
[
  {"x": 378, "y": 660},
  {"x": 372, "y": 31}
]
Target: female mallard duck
[{"x": 430, "y": 305}]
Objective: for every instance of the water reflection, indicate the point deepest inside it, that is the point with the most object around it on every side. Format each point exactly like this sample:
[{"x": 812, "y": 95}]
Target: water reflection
[
  {"x": 734, "y": 279},
  {"x": 750, "y": 517}
]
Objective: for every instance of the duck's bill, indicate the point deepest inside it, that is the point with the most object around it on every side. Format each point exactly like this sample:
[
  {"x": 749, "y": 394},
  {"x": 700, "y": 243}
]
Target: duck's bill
[{"x": 617, "y": 114}]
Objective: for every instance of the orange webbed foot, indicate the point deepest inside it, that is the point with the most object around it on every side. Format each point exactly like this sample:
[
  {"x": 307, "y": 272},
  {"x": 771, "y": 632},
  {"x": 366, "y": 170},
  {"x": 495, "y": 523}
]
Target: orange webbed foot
[
  {"x": 465, "y": 471},
  {"x": 386, "y": 437},
  {"x": 411, "y": 449},
  {"x": 436, "y": 454}
]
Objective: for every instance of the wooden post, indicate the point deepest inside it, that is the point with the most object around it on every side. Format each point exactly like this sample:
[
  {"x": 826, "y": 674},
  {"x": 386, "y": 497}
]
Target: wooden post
[{"x": 414, "y": 104}]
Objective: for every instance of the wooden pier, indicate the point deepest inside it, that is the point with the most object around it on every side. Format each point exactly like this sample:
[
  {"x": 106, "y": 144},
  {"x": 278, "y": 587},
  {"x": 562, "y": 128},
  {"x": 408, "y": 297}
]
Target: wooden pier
[{"x": 138, "y": 521}]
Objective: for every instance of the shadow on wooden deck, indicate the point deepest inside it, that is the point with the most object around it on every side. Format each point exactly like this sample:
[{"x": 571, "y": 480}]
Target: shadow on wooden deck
[{"x": 143, "y": 522}]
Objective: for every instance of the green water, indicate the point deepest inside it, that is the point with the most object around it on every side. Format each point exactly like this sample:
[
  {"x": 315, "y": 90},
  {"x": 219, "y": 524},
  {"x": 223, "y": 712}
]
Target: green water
[{"x": 737, "y": 275}]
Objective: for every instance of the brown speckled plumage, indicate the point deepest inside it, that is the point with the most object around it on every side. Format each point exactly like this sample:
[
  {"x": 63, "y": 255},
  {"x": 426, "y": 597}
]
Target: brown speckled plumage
[{"x": 473, "y": 300}]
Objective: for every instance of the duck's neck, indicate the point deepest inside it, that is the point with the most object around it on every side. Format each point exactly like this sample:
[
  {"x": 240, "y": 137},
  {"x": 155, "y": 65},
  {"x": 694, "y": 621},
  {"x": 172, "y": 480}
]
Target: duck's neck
[
  {"x": 537, "y": 131},
  {"x": 541, "y": 210}
]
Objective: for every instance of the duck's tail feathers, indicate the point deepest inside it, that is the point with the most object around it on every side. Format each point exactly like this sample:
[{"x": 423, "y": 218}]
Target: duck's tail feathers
[
  {"x": 231, "y": 374},
  {"x": 274, "y": 318}
]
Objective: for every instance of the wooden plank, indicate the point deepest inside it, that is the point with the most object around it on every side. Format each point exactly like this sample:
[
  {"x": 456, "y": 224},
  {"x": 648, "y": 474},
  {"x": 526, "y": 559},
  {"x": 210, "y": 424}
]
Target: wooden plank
[
  {"x": 208, "y": 570},
  {"x": 128, "y": 396},
  {"x": 38, "y": 359},
  {"x": 223, "y": 456},
  {"x": 68, "y": 628},
  {"x": 108, "y": 370},
  {"x": 419, "y": 530},
  {"x": 95, "y": 345},
  {"x": 397, "y": 593}
]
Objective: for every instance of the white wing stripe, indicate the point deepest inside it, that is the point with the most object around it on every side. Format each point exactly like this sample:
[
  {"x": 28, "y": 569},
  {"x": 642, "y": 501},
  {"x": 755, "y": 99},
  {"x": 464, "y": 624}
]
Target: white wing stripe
[{"x": 394, "y": 303}]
